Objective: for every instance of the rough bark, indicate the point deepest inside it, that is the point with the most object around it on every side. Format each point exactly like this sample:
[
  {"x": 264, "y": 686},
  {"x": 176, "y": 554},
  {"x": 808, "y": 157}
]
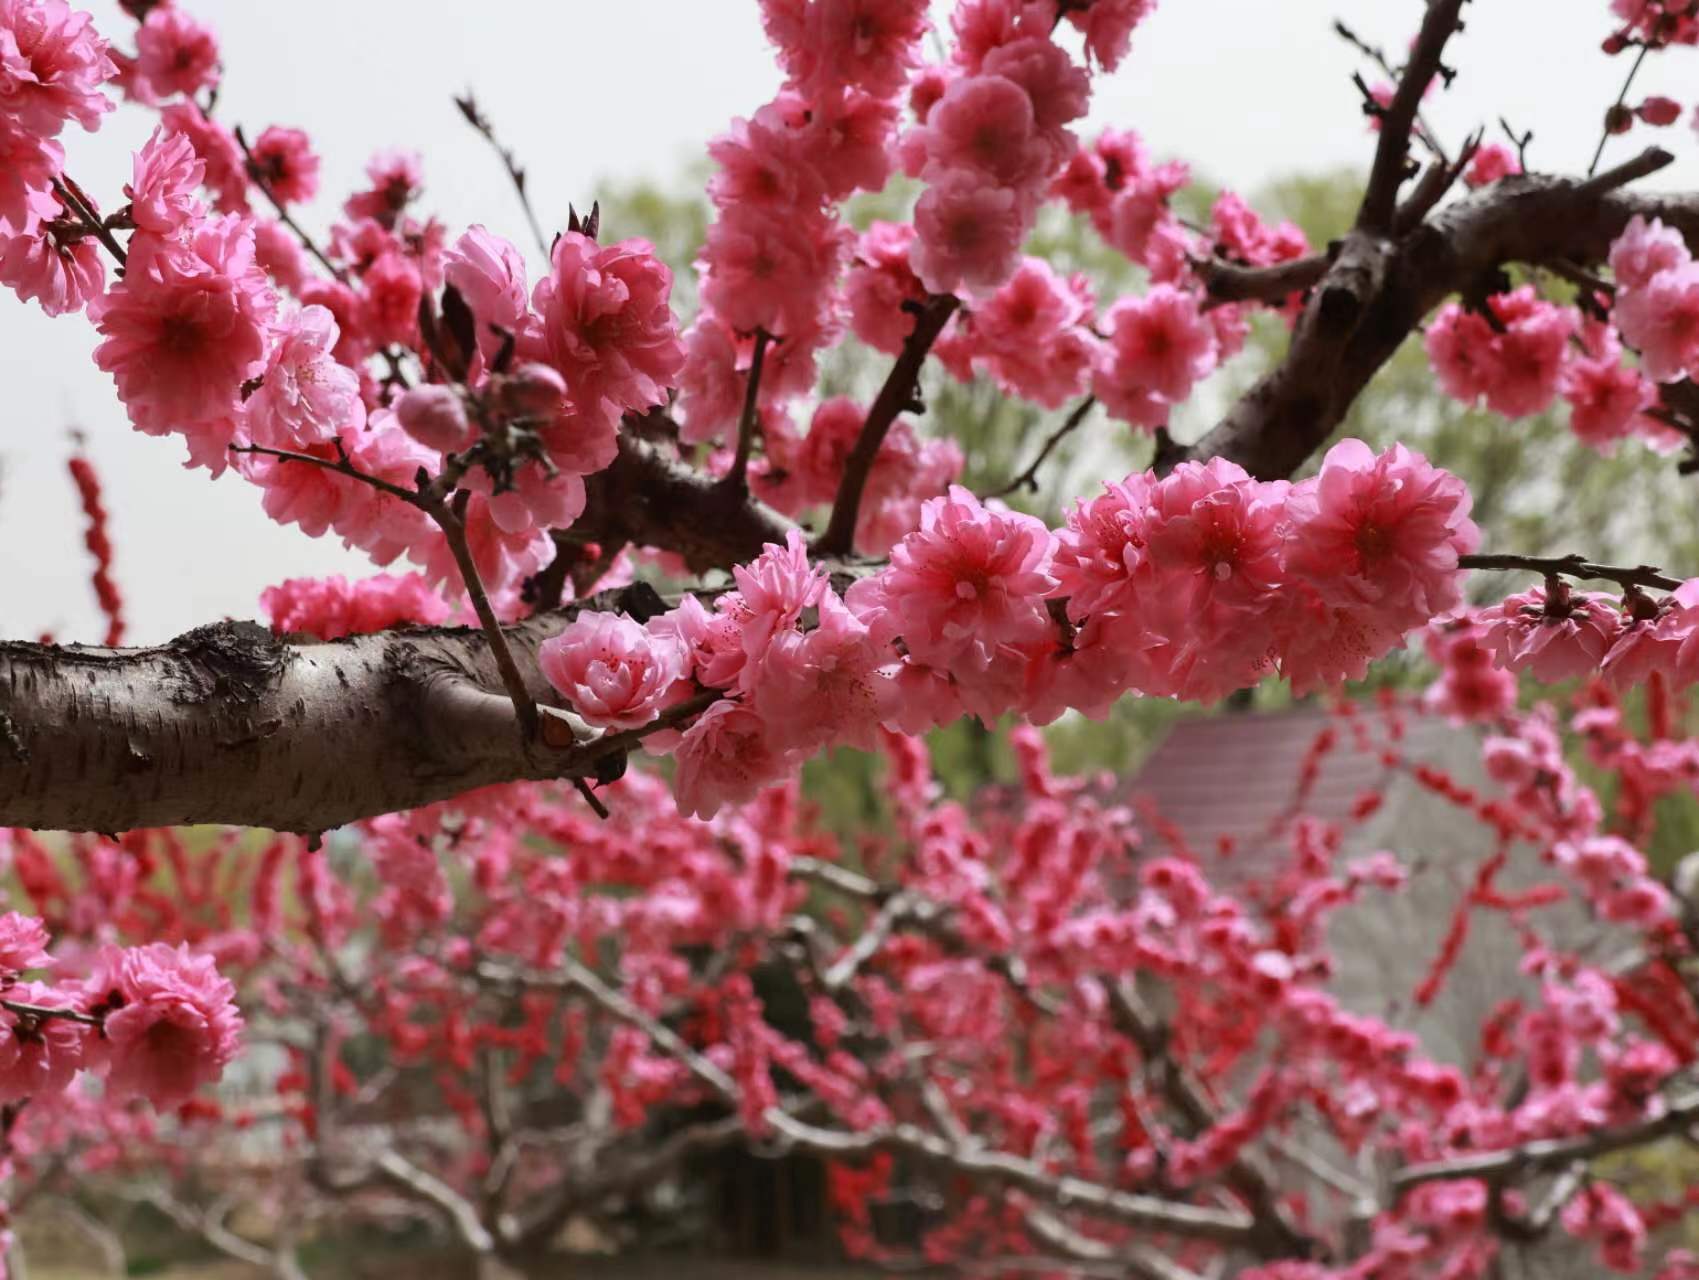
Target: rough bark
[
  {"x": 229, "y": 724},
  {"x": 1377, "y": 288}
]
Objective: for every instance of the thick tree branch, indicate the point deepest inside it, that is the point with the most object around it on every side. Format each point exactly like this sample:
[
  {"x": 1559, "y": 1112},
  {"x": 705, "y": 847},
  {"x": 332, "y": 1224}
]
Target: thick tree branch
[
  {"x": 1378, "y": 288},
  {"x": 648, "y": 499},
  {"x": 1381, "y": 198},
  {"x": 229, "y": 724}
]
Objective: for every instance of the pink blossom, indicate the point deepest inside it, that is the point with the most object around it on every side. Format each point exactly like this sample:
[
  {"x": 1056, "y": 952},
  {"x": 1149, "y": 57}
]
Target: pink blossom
[
  {"x": 1554, "y": 637},
  {"x": 967, "y": 232},
  {"x": 1102, "y": 546},
  {"x": 1382, "y": 533},
  {"x": 226, "y": 171},
  {"x": 606, "y": 323},
  {"x": 1108, "y": 26},
  {"x": 1660, "y": 319},
  {"x": 284, "y": 160},
  {"x": 711, "y": 389},
  {"x": 173, "y": 1025},
  {"x": 330, "y": 608},
  {"x": 826, "y": 45},
  {"x": 186, "y": 327},
  {"x": 1643, "y": 250},
  {"x": 824, "y": 685},
  {"x": 1159, "y": 346},
  {"x": 772, "y": 591},
  {"x": 52, "y": 64},
  {"x": 490, "y": 275},
  {"x": 1034, "y": 334},
  {"x": 434, "y": 415},
  {"x": 166, "y": 173},
  {"x": 56, "y": 265},
  {"x": 1059, "y": 91},
  {"x": 1491, "y": 161},
  {"x": 389, "y": 301},
  {"x": 725, "y": 758},
  {"x": 396, "y": 178},
  {"x": 28, "y": 165},
  {"x": 1607, "y": 398},
  {"x": 1659, "y": 111},
  {"x": 38, "y": 1053},
  {"x": 23, "y": 943},
  {"x": 280, "y": 255},
  {"x": 614, "y": 673},
  {"x": 984, "y": 126},
  {"x": 770, "y": 269},
  {"x": 304, "y": 397},
  {"x": 174, "y": 55},
  {"x": 879, "y": 283},
  {"x": 1513, "y": 361},
  {"x": 969, "y": 579}
]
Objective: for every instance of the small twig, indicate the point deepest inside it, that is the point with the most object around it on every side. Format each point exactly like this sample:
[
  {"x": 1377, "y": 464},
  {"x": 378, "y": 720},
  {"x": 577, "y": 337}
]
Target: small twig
[
  {"x": 70, "y": 196},
  {"x": 1574, "y": 567},
  {"x": 737, "y": 479},
  {"x": 900, "y": 392},
  {"x": 450, "y": 519},
  {"x": 515, "y": 172},
  {"x": 23, "y": 1009},
  {"x": 1646, "y": 163},
  {"x": 339, "y": 464},
  {"x": 591, "y": 799},
  {"x": 1621, "y": 98},
  {"x": 1423, "y": 131},
  {"x": 1028, "y": 479},
  {"x": 1519, "y": 140},
  {"x": 258, "y": 178}
]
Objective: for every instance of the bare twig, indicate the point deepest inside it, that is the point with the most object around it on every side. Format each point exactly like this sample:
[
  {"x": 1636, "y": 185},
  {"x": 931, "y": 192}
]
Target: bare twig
[
  {"x": 257, "y": 176},
  {"x": 737, "y": 479},
  {"x": 70, "y": 195},
  {"x": 450, "y": 518},
  {"x": 1574, "y": 567},
  {"x": 1617, "y": 109},
  {"x": 900, "y": 392},
  {"x": 515, "y": 171},
  {"x": 1028, "y": 479}
]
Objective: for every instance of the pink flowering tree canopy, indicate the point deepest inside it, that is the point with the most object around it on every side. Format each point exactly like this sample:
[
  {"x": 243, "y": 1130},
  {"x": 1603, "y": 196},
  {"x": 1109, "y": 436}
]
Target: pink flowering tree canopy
[{"x": 510, "y": 835}]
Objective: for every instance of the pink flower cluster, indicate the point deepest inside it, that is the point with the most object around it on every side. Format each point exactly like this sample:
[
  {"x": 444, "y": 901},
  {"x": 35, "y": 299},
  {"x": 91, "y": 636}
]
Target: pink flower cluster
[
  {"x": 52, "y": 67},
  {"x": 1190, "y": 586},
  {"x": 988, "y": 146},
  {"x": 776, "y": 247},
  {"x": 1510, "y": 357},
  {"x": 330, "y": 608},
  {"x": 154, "y": 1022}
]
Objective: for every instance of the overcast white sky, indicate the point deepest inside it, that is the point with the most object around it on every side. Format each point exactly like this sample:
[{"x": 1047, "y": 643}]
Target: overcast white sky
[{"x": 588, "y": 90}]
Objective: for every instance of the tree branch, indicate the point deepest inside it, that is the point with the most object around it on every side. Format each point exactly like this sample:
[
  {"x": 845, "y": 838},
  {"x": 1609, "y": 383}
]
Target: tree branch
[
  {"x": 900, "y": 392},
  {"x": 1574, "y": 567},
  {"x": 1380, "y": 200},
  {"x": 229, "y": 724},
  {"x": 1028, "y": 479},
  {"x": 1496, "y": 1166},
  {"x": 1377, "y": 290}
]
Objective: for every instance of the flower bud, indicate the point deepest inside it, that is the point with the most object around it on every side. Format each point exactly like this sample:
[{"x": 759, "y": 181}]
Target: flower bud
[
  {"x": 434, "y": 416},
  {"x": 534, "y": 390}
]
